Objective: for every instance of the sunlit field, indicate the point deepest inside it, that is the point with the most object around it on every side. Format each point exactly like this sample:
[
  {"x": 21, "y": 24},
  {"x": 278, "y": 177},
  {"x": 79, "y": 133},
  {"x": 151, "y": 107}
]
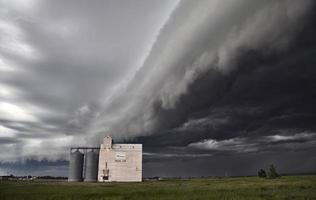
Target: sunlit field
[{"x": 289, "y": 187}]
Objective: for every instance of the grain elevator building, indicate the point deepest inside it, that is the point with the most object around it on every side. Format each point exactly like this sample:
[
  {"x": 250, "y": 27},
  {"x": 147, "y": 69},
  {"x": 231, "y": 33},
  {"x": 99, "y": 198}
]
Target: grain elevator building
[
  {"x": 119, "y": 162},
  {"x": 110, "y": 162}
]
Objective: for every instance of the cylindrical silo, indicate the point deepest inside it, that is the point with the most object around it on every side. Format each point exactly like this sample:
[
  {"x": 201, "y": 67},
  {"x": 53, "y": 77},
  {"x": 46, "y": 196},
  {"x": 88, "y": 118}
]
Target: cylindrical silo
[
  {"x": 91, "y": 169},
  {"x": 75, "y": 166}
]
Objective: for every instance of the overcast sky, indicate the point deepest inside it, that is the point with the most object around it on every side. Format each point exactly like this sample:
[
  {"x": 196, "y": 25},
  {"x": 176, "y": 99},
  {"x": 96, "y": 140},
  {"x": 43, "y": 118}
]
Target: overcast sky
[{"x": 206, "y": 86}]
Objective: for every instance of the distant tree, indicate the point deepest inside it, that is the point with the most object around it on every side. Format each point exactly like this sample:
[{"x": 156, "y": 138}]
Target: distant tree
[
  {"x": 272, "y": 172},
  {"x": 262, "y": 173}
]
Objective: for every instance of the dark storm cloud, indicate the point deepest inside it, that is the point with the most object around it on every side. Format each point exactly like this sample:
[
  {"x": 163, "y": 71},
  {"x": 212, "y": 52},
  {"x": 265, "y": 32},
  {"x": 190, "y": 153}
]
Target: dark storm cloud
[
  {"x": 241, "y": 164},
  {"x": 229, "y": 50},
  {"x": 235, "y": 84},
  {"x": 36, "y": 168},
  {"x": 59, "y": 60},
  {"x": 226, "y": 83}
]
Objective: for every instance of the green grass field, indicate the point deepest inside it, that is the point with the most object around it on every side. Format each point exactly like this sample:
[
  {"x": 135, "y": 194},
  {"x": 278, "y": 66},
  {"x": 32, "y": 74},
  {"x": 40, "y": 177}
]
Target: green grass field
[{"x": 289, "y": 187}]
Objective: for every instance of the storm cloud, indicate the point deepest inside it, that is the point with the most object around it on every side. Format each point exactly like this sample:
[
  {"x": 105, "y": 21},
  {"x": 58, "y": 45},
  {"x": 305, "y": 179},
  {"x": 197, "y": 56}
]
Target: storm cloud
[
  {"x": 197, "y": 82},
  {"x": 59, "y": 60}
]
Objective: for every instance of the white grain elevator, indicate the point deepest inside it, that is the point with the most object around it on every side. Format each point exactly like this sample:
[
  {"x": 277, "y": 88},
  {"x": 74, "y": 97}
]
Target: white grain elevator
[
  {"x": 120, "y": 162},
  {"x": 109, "y": 163}
]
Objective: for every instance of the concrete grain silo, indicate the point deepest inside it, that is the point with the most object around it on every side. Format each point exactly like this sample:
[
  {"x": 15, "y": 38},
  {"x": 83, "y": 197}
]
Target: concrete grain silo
[
  {"x": 91, "y": 166},
  {"x": 75, "y": 166}
]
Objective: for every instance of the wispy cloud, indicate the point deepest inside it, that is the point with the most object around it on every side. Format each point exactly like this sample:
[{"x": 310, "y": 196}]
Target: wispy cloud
[{"x": 256, "y": 144}]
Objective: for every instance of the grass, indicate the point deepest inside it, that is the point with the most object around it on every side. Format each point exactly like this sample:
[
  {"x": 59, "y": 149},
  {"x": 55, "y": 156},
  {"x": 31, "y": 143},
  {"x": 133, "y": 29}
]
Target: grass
[{"x": 252, "y": 188}]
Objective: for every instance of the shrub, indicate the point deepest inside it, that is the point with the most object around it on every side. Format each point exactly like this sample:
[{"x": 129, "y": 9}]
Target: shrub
[
  {"x": 272, "y": 172},
  {"x": 262, "y": 173}
]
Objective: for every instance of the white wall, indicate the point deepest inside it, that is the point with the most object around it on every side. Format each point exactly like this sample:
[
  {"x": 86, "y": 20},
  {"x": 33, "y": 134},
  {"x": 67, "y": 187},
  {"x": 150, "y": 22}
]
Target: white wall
[{"x": 123, "y": 162}]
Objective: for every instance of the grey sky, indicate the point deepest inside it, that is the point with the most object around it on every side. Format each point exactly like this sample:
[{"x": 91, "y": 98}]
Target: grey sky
[
  {"x": 194, "y": 81},
  {"x": 59, "y": 58}
]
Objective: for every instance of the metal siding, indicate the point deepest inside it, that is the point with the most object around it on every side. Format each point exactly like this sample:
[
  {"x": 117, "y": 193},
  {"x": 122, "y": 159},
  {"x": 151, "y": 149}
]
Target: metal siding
[
  {"x": 75, "y": 166},
  {"x": 91, "y": 170}
]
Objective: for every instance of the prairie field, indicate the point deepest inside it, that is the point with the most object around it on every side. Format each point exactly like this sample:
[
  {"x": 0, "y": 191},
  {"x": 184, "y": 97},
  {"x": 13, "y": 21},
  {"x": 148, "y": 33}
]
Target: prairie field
[{"x": 252, "y": 188}]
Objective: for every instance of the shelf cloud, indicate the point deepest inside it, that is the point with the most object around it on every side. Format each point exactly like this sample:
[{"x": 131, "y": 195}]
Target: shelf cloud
[{"x": 197, "y": 82}]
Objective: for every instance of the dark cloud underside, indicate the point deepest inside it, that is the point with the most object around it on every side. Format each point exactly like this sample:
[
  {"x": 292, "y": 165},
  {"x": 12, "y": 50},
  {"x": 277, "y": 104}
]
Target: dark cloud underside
[{"x": 225, "y": 86}]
